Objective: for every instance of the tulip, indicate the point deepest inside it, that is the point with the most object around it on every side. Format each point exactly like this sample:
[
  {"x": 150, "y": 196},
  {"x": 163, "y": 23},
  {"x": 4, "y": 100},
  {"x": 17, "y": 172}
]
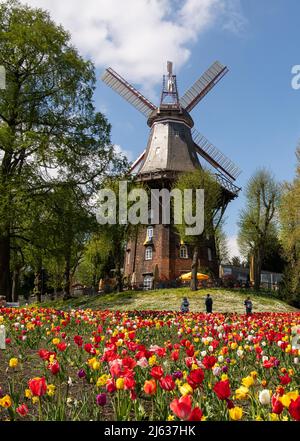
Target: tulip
[
  {"x": 150, "y": 387},
  {"x": 222, "y": 389},
  {"x": 264, "y": 397},
  {"x": 294, "y": 409},
  {"x": 167, "y": 383},
  {"x": 22, "y": 410},
  {"x": 236, "y": 413},
  {"x": 101, "y": 399},
  {"x": 157, "y": 372},
  {"x": 37, "y": 386}
]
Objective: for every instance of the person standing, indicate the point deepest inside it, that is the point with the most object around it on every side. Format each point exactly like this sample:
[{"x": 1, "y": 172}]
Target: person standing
[
  {"x": 208, "y": 304},
  {"x": 185, "y": 305},
  {"x": 248, "y": 306}
]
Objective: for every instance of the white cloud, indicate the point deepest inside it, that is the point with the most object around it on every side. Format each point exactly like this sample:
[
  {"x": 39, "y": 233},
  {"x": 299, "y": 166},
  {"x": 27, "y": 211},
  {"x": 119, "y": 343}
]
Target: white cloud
[
  {"x": 137, "y": 37},
  {"x": 233, "y": 247}
]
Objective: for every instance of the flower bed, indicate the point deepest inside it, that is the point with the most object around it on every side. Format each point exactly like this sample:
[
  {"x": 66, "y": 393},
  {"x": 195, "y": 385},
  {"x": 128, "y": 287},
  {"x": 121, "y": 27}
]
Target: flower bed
[{"x": 145, "y": 365}]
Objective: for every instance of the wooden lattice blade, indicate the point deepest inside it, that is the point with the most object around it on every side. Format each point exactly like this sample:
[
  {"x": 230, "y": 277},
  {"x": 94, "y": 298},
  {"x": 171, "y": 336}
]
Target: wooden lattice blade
[
  {"x": 203, "y": 85},
  {"x": 216, "y": 158},
  {"x": 128, "y": 92}
]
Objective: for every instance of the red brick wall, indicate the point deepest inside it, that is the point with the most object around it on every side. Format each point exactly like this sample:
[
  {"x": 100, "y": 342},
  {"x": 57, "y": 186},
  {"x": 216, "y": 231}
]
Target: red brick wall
[{"x": 166, "y": 247}]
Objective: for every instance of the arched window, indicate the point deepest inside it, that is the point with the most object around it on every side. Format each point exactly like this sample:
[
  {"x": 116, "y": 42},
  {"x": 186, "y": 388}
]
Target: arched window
[
  {"x": 183, "y": 252},
  {"x": 148, "y": 281},
  {"x": 150, "y": 232},
  {"x": 148, "y": 253}
]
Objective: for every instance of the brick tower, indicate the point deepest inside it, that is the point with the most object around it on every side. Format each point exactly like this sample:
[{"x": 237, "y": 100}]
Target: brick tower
[{"x": 157, "y": 256}]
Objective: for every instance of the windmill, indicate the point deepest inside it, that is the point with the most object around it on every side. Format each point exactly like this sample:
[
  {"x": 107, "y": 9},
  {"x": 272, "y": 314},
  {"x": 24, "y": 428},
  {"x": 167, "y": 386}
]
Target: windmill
[{"x": 174, "y": 145}]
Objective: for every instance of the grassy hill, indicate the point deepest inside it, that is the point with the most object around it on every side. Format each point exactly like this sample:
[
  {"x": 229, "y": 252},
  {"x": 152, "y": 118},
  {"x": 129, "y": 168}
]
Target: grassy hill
[{"x": 225, "y": 300}]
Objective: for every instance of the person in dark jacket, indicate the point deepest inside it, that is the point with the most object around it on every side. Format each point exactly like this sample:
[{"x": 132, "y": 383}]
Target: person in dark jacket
[
  {"x": 185, "y": 305},
  {"x": 248, "y": 306},
  {"x": 208, "y": 303}
]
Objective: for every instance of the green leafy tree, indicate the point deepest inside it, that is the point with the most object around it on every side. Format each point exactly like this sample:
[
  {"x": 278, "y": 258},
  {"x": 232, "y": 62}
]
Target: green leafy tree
[
  {"x": 221, "y": 244},
  {"x": 201, "y": 179},
  {"x": 258, "y": 221},
  {"x": 50, "y": 132},
  {"x": 290, "y": 236}
]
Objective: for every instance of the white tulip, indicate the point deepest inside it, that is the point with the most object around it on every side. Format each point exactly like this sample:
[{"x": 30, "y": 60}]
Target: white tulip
[{"x": 264, "y": 397}]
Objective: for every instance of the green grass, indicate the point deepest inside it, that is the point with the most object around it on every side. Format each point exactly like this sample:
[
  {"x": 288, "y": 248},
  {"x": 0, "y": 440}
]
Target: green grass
[{"x": 225, "y": 300}]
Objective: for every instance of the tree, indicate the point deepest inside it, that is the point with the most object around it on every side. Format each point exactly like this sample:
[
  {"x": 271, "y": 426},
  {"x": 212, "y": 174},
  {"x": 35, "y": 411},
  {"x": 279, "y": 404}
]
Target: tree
[
  {"x": 258, "y": 221},
  {"x": 221, "y": 245},
  {"x": 200, "y": 179},
  {"x": 236, "y": 261},
  {"x": 290, "y": 236},
  {"x": 50, "y": 132},
  {"x": 115, "y": 236}
]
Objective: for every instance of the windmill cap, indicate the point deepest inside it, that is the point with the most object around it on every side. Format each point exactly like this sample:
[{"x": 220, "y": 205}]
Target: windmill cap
[{"x": 169, "y": 112}]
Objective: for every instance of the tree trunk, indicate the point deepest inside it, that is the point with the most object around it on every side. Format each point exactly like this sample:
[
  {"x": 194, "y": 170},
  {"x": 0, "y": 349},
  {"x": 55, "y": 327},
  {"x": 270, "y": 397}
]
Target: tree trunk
[
  {"x": 37, "y": 286},
  {"x": 119, "y": 276},
  {"x": 5, "y": 280},
  {"x": 67, "y": 285},
  {"x": 257, "y": 270},
  {"x": 16, "y": 285},
  {"x": 194, "y": 281}
]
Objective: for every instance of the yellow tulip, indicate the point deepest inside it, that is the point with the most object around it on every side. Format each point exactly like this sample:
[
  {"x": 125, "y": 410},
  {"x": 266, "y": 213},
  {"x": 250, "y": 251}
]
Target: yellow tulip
[
  {"x": 247, "y": 381},
  {"x": 242, "y": 393},
  {"x": 186, "y": 389},
  {"x": 13, "y": 362},
  {"x": 5, "y": 402},
  {"x": 236, "y": 413},
  {"x": 120, "y": 383}
]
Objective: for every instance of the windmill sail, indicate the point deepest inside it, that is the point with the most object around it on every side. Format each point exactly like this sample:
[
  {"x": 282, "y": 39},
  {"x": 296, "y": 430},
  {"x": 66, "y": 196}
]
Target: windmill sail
[
  {"x": 203, "y": 85},
  {"x": 211, "y": 154},
  {"x": 128, "y": 92}
]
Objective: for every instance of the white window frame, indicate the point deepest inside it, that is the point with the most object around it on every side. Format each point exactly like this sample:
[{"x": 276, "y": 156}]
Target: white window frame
[
  {"x": 183, "y": 252},
  {"x": 148, "y": 282},
  {"x": 148, "y": 253},
  {"x": 150, "y": 232}
]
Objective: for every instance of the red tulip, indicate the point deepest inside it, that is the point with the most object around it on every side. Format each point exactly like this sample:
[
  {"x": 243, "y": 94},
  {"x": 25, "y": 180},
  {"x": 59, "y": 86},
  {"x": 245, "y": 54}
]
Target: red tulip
[
  {"x": 222, "y": 390},
  {"x": 182, "y": 407},
  {"x": 195, "y": 378},
  {"x": 38, "y": 386},
  {"x": 54, "y": 367},
  {"x": 157, "y": 372},
  {"x": 277, "y": 406},
  {"x": 294, "y": 409},
  {"x": 62, "y": 346},
  {"x": 22, "y": 410},
  {"x": 78, "y": 340},
  {"x": 196, "y": 415},
  {"x": 129, "y": 383},
  {"x": 209, "y": 361},
  {"x": 167, "y": 383},
  {"x": 285, "y": 379},
  {"x": 111, "y": 386},
  {"x": 175, "y": 355}
]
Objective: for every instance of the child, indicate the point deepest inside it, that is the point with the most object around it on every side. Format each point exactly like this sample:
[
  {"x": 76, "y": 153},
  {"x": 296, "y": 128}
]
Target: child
[
  {"x": 185, "y": 305},
  {"x": 248, "y": 306}
]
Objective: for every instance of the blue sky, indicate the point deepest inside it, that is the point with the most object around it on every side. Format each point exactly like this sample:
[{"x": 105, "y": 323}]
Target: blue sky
[{"x": 252, "y": 115}]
